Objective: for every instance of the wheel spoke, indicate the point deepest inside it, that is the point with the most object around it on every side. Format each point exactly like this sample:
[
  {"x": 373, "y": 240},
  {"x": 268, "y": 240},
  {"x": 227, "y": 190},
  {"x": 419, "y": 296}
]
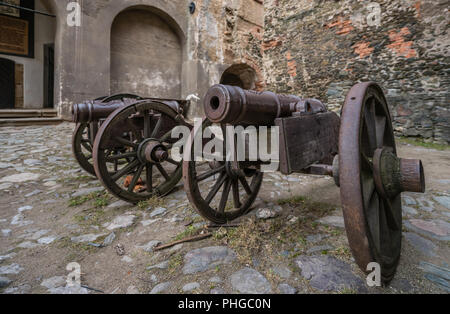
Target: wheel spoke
[
  {"x": 136, "y": 177},
  {"x": 147, "y": 126},
  {"x": 173, "y": 162},
  {"x": 216, "y": 188},
  {"x": 166, "y": 137},
  {"x": 368, "y": 186},
  {"x": 391, "y": 215},
  {"x": 157, "y": 128},
  {"x": 224, "y": 199},
  {"x": 121, "y": 156},
  {"x": 366, "y": 161},
  {"x": 136, "y": 133},
  {"x": 125, "y": 170},
  {"x": 126, "y": 142},
  {"x": 369, "y": 118},
  {"x": 373, "y": 219},
  {"x": 385, "y": 232},
  {"x": 163, "y": 172},
  {"x": 245, "y": 185},
  {"x": 87, "y": 146},
  {"x": 149, "y": 177},
  {"x": 210, "y": 173},
  {"x": 237, "y": 202},
  {"x": 381, "y": 128}
]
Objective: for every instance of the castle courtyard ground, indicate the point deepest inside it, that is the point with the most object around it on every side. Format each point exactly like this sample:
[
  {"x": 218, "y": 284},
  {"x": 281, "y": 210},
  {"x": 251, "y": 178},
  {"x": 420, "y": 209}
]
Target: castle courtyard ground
[{"x": 53, "y": 214}]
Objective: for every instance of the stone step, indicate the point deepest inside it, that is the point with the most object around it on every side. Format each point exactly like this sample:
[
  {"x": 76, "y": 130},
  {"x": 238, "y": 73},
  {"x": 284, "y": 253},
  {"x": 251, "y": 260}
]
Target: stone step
[
  {"x": 29, "y": 121},
  {"x": 28, "y": 113}
]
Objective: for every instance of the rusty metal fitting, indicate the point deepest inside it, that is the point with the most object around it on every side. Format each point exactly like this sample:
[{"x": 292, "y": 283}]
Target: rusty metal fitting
[
  {"x": 393, "y": 175},
  {"x": 154, "y": 151},
  {"x": 412, "y": 175},
  {"x": 309, "y": 106}
]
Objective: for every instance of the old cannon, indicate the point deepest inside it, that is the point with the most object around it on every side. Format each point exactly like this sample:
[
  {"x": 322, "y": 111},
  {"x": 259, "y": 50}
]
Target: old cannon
[
  {"x": 358, "y": 150},
  {"x": 86, "y": 127},
  {"x": 125, "y": 140}
]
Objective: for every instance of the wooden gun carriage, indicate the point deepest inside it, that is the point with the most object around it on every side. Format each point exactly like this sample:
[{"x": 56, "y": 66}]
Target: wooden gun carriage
[
  {"x": 125, "y": 140},
  {"x": 358, "y": 150}
]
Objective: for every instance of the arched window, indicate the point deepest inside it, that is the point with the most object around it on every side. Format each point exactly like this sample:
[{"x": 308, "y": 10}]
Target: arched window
[{"x": 241, "y": 75}]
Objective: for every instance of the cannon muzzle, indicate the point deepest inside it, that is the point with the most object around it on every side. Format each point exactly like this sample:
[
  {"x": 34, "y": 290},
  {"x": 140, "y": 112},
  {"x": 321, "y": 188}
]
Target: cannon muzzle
[{"x": 91, "y": 111}]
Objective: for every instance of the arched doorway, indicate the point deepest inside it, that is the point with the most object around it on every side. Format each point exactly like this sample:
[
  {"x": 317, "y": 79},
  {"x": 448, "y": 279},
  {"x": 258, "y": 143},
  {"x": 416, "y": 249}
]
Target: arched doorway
[
  {"x": 241, "y": 75},
  {"x": 7, "y": 84},
  {"x": 146, "y": 55}
]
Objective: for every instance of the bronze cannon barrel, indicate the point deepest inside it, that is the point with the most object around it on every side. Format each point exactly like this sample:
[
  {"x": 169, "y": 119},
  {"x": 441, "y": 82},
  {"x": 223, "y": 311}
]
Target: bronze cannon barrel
[
  {"x": 233, "y": 105},
  {"x": 90, "y": 111}
]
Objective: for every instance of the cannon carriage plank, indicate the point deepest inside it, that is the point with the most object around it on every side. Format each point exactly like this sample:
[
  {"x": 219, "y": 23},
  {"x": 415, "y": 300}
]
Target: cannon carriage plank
[{"x": 306, "y": 140}]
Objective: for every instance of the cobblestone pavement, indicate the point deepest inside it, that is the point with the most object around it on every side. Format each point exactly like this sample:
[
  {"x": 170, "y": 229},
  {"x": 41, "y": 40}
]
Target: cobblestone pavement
[{"x": 53, "y": 214}]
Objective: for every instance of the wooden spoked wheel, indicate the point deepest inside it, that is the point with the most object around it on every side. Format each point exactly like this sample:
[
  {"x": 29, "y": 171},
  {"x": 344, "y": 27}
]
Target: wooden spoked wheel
[
  {"x": 221, "y": 191},
  {"x": 132, "y": 151},
  {"x": 120, "y": 97},
  {"x": 373, "y": 219},
  {"x": 82, "y": 147}
]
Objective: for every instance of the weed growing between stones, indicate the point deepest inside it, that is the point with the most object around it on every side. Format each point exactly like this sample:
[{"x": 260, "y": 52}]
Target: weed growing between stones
[
  {"x": 153, "y": 202},
  {"x": 422, "y": 143},
  {"x": 175, "y": 263},
  {"x": 100, "y": 199},
  {"x": 277, "y": 237},
  {"x": 293, "y": 201},
  {"x": 188, "y": 232}
]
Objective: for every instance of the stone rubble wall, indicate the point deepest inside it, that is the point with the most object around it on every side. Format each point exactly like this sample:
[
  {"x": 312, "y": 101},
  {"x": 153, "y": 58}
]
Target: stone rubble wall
[{"x": 318, "y": 48}]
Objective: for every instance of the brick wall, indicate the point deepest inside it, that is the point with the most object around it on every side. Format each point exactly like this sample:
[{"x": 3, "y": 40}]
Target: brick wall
[{"x": 319, "y": 48}]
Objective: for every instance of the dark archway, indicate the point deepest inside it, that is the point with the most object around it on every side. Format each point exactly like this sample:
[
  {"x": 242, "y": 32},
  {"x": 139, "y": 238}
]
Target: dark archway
[
  {"x": 241, "y": 75},
  {"x": 146, "y": 55},
  {"x": 7, "y": 84}
]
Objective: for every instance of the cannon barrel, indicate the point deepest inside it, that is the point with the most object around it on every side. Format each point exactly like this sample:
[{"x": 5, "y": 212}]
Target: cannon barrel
[
  {"x": 91, "y": 111},
  {"x": 233, "y": 105}
]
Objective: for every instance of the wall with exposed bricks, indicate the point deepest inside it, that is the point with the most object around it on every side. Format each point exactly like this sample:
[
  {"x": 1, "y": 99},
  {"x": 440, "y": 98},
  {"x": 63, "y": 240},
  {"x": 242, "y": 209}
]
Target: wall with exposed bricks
[{"x": 319, "y": 48}]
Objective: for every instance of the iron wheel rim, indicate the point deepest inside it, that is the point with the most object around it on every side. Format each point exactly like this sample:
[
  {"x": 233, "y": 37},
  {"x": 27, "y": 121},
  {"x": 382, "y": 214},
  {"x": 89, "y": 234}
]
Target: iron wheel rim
[
  {"x": 81, "y": 142},
  {"x": 373, "y": 222}
]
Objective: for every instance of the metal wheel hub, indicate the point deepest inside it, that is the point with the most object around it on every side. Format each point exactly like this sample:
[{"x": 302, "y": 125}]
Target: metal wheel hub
[
  {"x": 393, "y": 175},
  {"x": 152, "y": 151}
]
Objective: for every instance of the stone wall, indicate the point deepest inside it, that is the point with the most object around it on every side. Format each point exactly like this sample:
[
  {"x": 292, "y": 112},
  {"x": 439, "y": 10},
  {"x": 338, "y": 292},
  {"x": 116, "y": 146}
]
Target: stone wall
[
  {"x": 319, "y": 48},
  {"x": 224, "y": 34},
  {"x": 90, "y": 62}
]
